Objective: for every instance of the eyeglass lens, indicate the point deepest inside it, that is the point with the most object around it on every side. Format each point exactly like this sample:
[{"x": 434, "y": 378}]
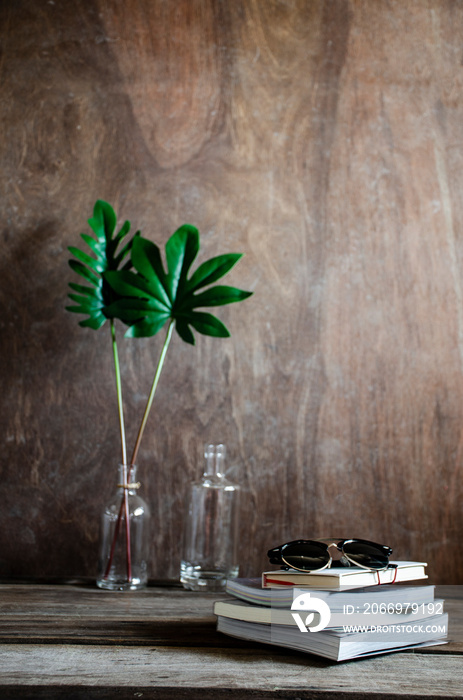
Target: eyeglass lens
[
  {"x": 366, "y": 554},
  {"x": 307, "y": 556}
]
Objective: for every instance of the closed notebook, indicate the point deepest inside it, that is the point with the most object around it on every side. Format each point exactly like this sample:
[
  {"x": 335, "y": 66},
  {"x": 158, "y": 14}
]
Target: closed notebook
[
  {"x": 251, "y": 591},
  {"x": 338, "y": 645},
  {"x": 349, "y": 576},
  {"x": 348, "y": 615}
]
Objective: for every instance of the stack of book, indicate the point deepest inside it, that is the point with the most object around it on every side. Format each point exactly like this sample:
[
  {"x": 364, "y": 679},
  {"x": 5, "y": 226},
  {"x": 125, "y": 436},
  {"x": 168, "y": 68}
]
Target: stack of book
[{"x": 339, "y": 614}]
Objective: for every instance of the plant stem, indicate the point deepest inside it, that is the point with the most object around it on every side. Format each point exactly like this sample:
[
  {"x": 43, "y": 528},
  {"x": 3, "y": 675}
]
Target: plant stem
[
  {"x": 151, "y": 395},
  {"x": 127, "y": 525},
  {"x": 128, "y": 476},
  {"x": 119, "y": 392},
  {"x": 125, "y": 498}
]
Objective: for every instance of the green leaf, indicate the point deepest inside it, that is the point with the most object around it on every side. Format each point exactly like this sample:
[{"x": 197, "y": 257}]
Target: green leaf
[
  {"x": 127, "y": 284},
  {"x": 208, "y": 324},
  {"x": 84, "y": 271},
  {"x": 94, "y": 322},
  {"x": 212, "y": 270},
  {"x": 125, "y": 251},
  {"x": 94, "y": 264},
  {"x": 75, "y": 309},
  {"x": 85, "y": 301},
  {"x": 125, "y": 228},
  {"x": 81, "y": 288},
  {"x": 181, "y": 249},
  {"x": 184, "y": 331},
  {"x": 133, "y": 306},
  {"x": 92, "y": 243},
  {"x": 146, "y": 259},
  {"x": 149, "y": 296},
  {"x": 104, "y": 220},
  {"x": 147, "y": 327},
  {"x": 217, "y": 296},
  {"x": 103, "y": 259}
]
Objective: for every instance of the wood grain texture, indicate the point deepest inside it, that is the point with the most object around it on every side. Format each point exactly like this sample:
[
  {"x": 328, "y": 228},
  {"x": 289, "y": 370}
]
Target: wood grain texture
[
  {"x": 321, "y": 139},
  {"x": 162, "y": 643},
  {"x": 80, "y": 613},
  {"x": 220, "y": 673}
]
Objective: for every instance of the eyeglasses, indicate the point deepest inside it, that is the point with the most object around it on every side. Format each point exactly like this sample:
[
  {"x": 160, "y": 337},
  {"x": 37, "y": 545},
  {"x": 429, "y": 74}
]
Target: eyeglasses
[{"x": 316, "y": 555}]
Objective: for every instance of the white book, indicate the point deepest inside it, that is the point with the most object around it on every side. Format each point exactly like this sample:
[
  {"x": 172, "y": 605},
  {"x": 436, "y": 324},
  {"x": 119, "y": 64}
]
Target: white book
[
  {"x": 349, "y": 576},
  {"x": 348, "y": 615},
  {"x": 251, "y": 591},
  {"x": 339, "y": 645}
]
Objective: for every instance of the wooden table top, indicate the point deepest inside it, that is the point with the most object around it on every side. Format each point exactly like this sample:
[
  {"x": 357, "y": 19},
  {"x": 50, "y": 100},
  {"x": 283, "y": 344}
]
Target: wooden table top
[{"x": 79, "y": 642}]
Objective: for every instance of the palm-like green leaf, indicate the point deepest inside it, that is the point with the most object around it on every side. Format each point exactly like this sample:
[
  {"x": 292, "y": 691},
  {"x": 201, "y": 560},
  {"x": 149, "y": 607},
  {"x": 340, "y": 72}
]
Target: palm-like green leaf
[
  {"x": 105, "y": 254},
  {"x": 153, "y": 295}
]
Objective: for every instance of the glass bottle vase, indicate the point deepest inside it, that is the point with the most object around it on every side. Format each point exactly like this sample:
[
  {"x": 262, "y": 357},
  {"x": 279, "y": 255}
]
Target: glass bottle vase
[
  {"x": 211, "y": 521},
  {"x": 124, "y": 542}
]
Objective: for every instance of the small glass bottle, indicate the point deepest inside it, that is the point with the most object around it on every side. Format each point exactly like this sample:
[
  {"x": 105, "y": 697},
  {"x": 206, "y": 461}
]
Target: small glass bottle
[
  {"x": 124, "y": 543},
  {"x": 210, "y": 534}
]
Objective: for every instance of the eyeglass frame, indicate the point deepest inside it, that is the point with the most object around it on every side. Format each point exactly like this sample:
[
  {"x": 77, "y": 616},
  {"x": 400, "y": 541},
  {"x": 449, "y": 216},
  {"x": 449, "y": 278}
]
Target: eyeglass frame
[{"x": 275, "y": 555}]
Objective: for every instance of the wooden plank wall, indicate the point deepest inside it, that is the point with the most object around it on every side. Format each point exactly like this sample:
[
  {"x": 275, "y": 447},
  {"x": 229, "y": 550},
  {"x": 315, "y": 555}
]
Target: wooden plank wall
[{"x": 324, "y": 140}]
